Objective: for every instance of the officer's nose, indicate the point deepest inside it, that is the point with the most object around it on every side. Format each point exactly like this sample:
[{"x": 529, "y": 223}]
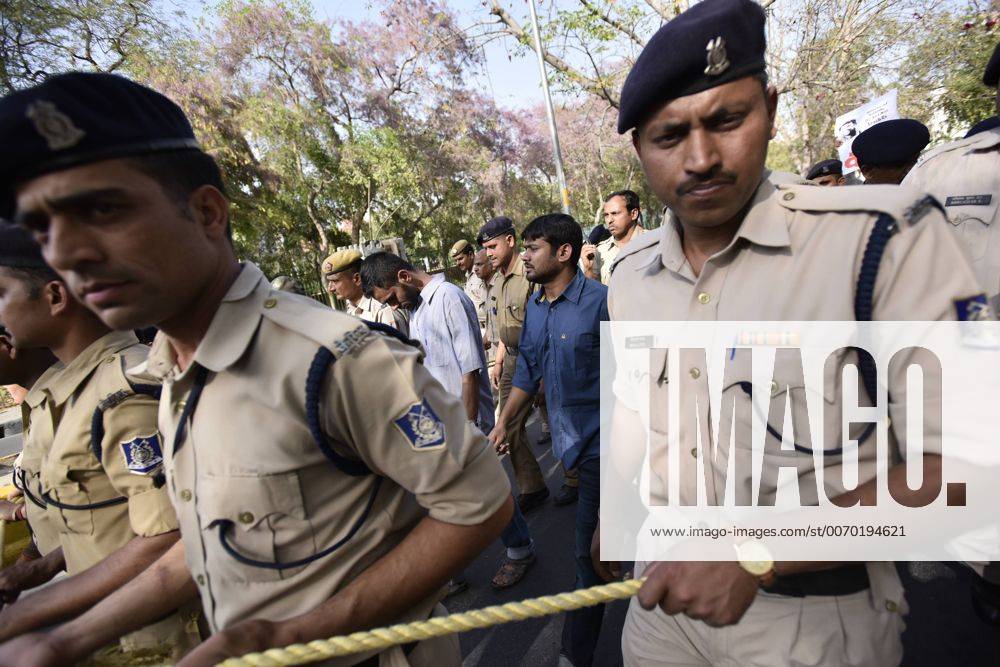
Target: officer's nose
[
  {"x": 68, "y": 246},
  {"x": 701, "y": 154}
]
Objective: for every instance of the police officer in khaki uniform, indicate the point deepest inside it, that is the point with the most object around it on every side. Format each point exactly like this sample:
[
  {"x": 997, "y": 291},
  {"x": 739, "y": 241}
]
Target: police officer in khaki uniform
[
  {"x": 464, "y": 256},
  {"x": 827, "y": 173},
  {"x": 324, "y": 482},
  {"x": 737, "y": 246},
  {"x": 341, "y": 273},
  {"x": 512, "y": 289},
  {"x": 964, "y": 175},
  {"x": 487, "y": 274},
  {"x": 887, "y": 151},
  {"x": 95, "y": 431},
  {"x": 623, "y": 218},
  {"x": 42, "y": 559}
]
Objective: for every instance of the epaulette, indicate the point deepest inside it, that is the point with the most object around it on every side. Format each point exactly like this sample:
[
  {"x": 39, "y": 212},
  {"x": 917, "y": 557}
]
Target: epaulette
[
  {"x": 341, "y": 333},
  {"x": 309, "y": 318},
  {"x": 977, "y": 141},
  {"x": 904, "y": 204},
  {"x": 637, "y": 244}
]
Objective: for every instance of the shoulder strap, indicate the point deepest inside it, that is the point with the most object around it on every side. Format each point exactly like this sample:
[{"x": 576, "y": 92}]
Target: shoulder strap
[{"x": 321, "y": 363}]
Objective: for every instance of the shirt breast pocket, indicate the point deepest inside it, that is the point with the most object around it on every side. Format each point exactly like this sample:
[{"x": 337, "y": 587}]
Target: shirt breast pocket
[
  {"x": 254, "y": 528},
  {"x": 586, "y": 353}
]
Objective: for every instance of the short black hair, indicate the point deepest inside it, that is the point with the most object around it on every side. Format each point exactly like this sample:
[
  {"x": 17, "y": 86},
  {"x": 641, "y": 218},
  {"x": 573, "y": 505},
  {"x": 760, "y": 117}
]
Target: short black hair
[
  {"x": 631, "y": 199},
  {"x": 556, "y": 229},
  {"x": 35, "y": 277},
  {"x": 180, "y": 173},
  {"x": 381, "y": 270}
]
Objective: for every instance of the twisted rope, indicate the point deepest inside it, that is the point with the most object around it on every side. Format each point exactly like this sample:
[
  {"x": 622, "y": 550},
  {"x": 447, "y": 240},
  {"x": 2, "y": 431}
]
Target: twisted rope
[{"x": 405, "y": 633}]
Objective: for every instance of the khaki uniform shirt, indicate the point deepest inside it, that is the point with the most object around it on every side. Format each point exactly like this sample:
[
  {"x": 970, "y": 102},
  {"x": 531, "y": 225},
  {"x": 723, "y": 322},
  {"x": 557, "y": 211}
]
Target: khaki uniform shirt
[
  {"x": 512, "y": 291},
  {"x": 370, "y": 309},
  {"x": 478, "y": 291},
  {"x": 71, "y": 474},
  {"x": 607, "y": 253},
  {"x": 37, "y": 440},
  {"x": 965, "y": 177},
  {"x": 249, "y": 472},
  {"x": 796, "y": 257},
  {"x": 490, "y": 328}
]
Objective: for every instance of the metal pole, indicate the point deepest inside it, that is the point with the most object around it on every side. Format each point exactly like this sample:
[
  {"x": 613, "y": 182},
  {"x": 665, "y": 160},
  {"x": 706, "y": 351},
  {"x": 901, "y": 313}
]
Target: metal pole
[{"x": 560, "y": 174}]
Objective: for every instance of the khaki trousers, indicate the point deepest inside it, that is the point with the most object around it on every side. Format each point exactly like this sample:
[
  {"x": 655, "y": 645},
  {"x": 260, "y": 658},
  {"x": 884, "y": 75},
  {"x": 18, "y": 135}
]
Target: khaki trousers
[
  {"x": 849, "y": 630},
  {"x": 526, "y": 470}
]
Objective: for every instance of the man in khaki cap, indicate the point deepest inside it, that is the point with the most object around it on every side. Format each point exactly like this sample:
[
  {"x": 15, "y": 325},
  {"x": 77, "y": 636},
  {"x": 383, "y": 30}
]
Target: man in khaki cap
[
  {"x": 512, "y": 289},
  {"x": 100, "y": 473},
  {"x": 464, "y": 256},
  {"x": 737, "y": 247},
  {"x": 623, "y": 218},
  {"x": 342, "y": 277},
  {"x": 323, "y": 481}
]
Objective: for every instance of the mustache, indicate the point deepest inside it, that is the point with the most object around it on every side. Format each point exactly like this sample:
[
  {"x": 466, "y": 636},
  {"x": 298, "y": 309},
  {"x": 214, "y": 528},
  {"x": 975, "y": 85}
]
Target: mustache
[{"x": 718, "y": 176}]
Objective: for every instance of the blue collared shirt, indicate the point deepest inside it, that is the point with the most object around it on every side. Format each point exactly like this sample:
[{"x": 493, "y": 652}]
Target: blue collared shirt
[
  {"x": 561, "y": 344},
  {"x": 446, "y": 324}
]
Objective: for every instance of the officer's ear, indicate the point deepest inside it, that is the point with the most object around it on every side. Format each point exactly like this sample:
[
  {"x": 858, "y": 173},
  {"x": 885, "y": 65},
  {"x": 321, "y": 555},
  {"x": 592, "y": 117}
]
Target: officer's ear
[
  {"x": 841, "y": 180},
  {"x": 771, "y": 99},
  {"x": 210, "y": 210},
  {"x": 635, "y": 143},
  {"x": 57, "y": 296}
]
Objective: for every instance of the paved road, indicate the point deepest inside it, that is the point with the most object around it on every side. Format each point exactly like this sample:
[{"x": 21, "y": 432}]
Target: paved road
[{"x": 941, "y": 628}]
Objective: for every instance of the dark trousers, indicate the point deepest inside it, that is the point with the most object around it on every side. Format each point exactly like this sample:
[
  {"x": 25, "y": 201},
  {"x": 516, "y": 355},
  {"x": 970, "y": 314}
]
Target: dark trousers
[{"x": 582, "y": 626}]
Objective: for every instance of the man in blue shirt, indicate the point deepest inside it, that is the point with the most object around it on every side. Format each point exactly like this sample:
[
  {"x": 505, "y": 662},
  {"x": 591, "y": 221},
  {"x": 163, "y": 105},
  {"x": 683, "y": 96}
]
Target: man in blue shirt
[{"x": 560, "y": 344}]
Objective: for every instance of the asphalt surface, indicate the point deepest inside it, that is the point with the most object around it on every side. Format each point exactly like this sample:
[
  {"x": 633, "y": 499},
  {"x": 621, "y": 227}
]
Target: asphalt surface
[{"x": 942, "y": 629}]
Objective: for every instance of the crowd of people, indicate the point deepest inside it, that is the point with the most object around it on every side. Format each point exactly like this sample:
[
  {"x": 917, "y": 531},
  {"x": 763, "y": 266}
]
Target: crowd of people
[{"x": 271, "y": 470}]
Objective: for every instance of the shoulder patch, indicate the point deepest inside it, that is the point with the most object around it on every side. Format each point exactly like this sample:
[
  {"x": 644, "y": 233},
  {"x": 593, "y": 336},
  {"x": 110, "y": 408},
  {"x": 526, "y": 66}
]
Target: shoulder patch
[
  {"x": 901, "y": 202},
  {"x": 421, "y": 427},
  {"x": 973, "y": 309},
  {"x": 143, "y": 455}
]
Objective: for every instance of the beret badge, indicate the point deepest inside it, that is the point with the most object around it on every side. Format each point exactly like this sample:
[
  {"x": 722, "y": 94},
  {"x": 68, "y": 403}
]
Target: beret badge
[
  {"x": 55, "y": 127},
  {"x": 718, "y": 61}
]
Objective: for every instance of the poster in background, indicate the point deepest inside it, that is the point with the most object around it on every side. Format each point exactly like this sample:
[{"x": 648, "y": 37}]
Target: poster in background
[{"x": 853, "y": 123}]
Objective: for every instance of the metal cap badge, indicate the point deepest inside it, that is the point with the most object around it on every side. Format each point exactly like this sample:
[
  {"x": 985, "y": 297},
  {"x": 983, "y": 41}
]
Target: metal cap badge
[
  {"x": 718, "y": 61},
  {"x": 55, "y": 127}
]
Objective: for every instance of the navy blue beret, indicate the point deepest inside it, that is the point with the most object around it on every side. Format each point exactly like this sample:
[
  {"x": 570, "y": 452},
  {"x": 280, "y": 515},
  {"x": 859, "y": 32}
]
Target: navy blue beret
[
  {"x": 499, "y": 226},
  {"x": 983, "y": 125},
  {"x": 891, "y": 142},
  {"x": 18, "y": 249},
  {"x": 712, "y": 43},
  {"x": 825, "y": 168},
  {"x": 991, "y": 76},
  {"x": 81, "y": 117}
]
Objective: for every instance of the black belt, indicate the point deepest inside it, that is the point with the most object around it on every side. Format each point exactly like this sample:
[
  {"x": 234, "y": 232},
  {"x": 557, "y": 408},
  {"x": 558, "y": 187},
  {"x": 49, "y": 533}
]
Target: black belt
[
  {"x": 511, "y": 348},
  {"x": 843, "y": 580},
  {"x": 373, "y": 660}
]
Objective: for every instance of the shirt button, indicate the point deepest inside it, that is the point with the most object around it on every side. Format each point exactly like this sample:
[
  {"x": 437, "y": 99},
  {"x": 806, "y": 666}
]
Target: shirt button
[
  {"x": 695, "y": 373},
  {"x": 185, "y": 495},
  {"x": 270, "y": 303},
  {"x": 774, "y": 388},
  {"x": 704, "y": 298},
  {"x": 788, "y": 196},
  {"x": 694, "y": 452},
  {"x": 109, "y": 360},
  {"x": 890, "y": 605},
  {"x": 181, "y": 404},
  {"x": 246, "y": 517},
  {"x": 563, "y": 336},
  {"x": 200, "y": 579}
]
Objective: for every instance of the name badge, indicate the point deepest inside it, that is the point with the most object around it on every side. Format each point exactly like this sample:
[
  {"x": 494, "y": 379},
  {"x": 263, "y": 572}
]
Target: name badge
[{"x": 969, "y": 200}]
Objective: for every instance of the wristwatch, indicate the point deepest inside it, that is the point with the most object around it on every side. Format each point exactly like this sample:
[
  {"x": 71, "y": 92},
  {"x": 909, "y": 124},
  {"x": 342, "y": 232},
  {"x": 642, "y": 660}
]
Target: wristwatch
[{"x": 755, "y": 558}]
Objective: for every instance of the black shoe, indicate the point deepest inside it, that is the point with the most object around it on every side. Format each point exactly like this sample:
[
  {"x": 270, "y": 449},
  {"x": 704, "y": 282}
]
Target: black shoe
[
  {"x": 532, "y": 501},
  {"x": 544, "y": 439},
  {"x": 567, "y": 496}
]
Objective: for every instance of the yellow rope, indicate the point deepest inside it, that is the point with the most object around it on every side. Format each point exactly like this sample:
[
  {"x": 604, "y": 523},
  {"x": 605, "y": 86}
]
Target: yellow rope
[{"x": 383, "y": 638}]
